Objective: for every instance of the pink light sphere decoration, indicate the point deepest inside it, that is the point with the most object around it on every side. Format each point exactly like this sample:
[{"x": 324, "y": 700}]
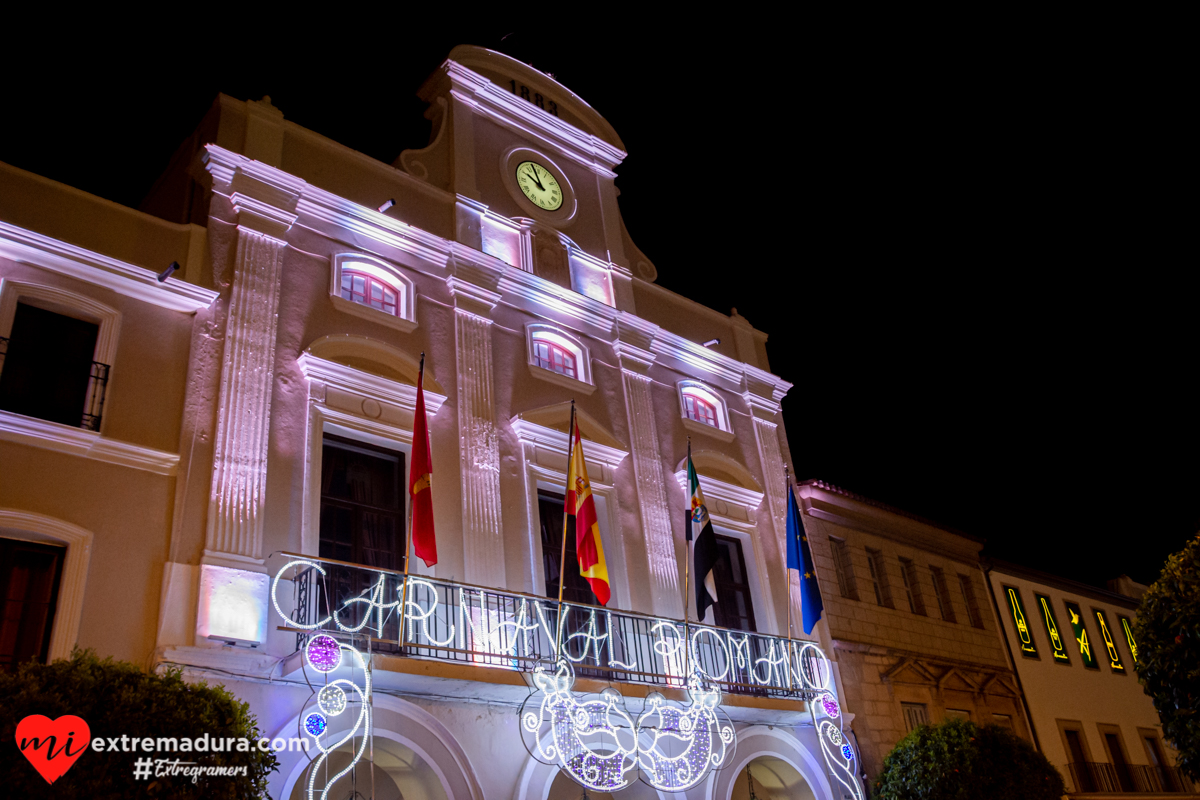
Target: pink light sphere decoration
[
  {"x": 830, "y": 705},
  {"x": 323, "y": 653}
]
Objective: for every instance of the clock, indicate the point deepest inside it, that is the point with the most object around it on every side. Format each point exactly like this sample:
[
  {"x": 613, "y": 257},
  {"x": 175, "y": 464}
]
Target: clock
[{"x": 539, "y": 185}]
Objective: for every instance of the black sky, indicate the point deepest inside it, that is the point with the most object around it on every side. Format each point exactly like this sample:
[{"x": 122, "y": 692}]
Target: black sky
[{"x": 968, "y": 249}]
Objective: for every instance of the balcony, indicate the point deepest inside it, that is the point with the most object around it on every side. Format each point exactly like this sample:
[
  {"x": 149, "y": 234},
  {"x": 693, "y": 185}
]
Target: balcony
[
  {"x": 1098, "y": 777},
  {"x": 487, "y": 630}
]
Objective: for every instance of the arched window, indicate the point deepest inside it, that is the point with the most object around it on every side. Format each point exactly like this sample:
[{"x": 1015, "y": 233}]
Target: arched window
[
  {"x": 553, "y": 356},
  {"x": 703, "y": 410},
  {"x": 373, "y": 289},
  {"x": 360, "y": 287},
  {"x": 558, "y": 357},
  {"x": 699, "y": 409}
]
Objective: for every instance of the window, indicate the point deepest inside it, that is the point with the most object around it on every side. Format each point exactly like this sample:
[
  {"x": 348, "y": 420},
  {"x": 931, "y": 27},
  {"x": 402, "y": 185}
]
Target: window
[
  {"x": 29, "y": 578},
  {"x": 1003, "y": 720},
  {"x": 1161, "y": 775},
  {"x": 553, "y": 356},
  {"x": 883, "y": 595},
  {"x": 558, "y": 357},
  {"x": 912, "y": 589},
  {"x": 958, "y": 713},
  {"x": 841, "y": 564},
  {"x": 47, "y": 369},
  {"x": 1116, "y": 752},
  {"x": 734, "y": 608},
  {"x": 968, "y": 590},
  {"x": 914, "y": 715},
  {"x": 700, "y": 410},
  {"x": 1081, "y": 773},
  {"x": 703, "y": 410},
  {"x": 942, "y": 594},
  {"x": 368, "y": 290},
  {"x": 576, "y": 589},
  {"x": 362, "y": 504},
  {"x": 373, "y": 289}
]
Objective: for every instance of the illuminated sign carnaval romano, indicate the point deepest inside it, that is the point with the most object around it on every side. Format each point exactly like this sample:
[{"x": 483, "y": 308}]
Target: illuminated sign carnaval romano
[{"x": 595, "y": 741}]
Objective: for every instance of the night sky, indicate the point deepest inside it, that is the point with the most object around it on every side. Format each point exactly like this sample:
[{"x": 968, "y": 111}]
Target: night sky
[{"x": 969, "y": 257}]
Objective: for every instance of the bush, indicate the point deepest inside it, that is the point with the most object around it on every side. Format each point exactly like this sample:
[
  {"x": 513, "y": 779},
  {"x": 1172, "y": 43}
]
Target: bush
[
  {"x": 959, "y": 760},
  {"x": 120, "y": 699},
  {"x": 1167, "y": 632}
]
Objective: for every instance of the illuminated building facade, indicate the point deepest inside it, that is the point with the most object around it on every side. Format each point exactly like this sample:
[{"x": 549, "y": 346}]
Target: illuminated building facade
[
  {"x": 1072, "y": 645},
  {"x": 910, "y": 620},
  {"x": 255, "y": 410}
]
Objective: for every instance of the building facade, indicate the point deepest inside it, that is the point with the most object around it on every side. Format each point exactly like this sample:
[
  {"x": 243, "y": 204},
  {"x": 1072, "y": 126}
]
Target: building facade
[
  {"x": 1075, "y": 653},
  {"x": 234, "y": 489},
  {"x": 909, "y": 621}
]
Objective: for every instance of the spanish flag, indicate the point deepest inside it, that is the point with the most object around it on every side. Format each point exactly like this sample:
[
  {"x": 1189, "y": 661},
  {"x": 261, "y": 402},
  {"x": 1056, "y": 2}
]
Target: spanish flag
[
  {"x": 423, "y": 542},
  {"x": 580, "y": 504}
]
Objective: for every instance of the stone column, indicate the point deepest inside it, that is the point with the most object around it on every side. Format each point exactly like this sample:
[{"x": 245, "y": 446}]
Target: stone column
[
  {"x": 633, "y": 352},
  {"x": 472, "y": 287},
  {"x": 264, "y": 200}
]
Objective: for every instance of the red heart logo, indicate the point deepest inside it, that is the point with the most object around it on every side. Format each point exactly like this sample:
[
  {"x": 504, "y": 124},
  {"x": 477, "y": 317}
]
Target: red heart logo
[{"x": 53, "y": 746}]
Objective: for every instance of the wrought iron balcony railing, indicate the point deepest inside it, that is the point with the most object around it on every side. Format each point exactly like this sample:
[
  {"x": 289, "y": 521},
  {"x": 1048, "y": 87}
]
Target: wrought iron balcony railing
[
  {"x": 508, "y": 630},
  {"x": 1102, "y": 777}
]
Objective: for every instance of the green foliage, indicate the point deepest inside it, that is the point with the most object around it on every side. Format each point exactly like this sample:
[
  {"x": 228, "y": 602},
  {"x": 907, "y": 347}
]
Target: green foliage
[
  {"x": 959, "y": 760},
  {"x": 120, "y": 699},
  {"x": 1167, "y": 632}
]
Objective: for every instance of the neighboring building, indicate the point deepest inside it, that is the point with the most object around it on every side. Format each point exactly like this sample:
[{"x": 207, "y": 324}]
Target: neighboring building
[
  {"x": 912, "y": 629},
  {"x": 260, "y": 402},
  {"x": 1075, "y": 653}
]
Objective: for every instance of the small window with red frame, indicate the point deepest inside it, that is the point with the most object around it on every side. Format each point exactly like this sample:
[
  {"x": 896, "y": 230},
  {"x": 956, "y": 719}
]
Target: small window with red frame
[{"x": 368, "y": 290}]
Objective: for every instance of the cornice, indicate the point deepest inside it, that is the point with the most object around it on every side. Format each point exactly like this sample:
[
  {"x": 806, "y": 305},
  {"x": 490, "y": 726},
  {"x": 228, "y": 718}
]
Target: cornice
[
  {"x": 556, "y": 441},
  {"x": 1008, "y": 569},
  {"x": 25, "y": 246},
  {"x": 510, "y": 111},
  {"x": 60, "y": 438},
  {"x": 471, "y": 282},
  {"x": 340, "y": 376},
  {"x": 264, "y": 197},
  {"x": 720, "y": 490},
  {"x": 538, "y": 295}
]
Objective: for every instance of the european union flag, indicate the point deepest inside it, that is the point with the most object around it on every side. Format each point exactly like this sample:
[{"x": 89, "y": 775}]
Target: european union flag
[{"x": 799, "y": 557}]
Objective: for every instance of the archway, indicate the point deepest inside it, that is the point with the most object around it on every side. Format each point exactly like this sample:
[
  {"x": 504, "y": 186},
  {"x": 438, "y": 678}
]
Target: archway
[
  {"x": 771, "y": 778},
  {"x": 400, "y": 773}
]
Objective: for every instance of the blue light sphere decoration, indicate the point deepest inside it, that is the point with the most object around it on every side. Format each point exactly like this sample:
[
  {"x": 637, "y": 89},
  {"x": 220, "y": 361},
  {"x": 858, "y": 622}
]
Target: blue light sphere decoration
[
  {"x": 315, "y": 724},
  {"x": 323, "y": 653},
  {"x": 331, "y": 700},
  {"x": 847, "y": 752}
]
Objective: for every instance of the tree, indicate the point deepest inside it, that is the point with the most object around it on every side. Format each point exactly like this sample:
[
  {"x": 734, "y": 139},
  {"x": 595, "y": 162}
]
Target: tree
[
  {"x": 959, "y": 760},
  {"x": 118, "y": 699},
  {"x": 1167, "y": 632}
]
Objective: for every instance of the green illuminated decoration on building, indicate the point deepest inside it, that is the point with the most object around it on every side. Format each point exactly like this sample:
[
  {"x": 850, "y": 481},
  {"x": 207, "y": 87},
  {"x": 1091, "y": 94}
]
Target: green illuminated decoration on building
[
  {"x": 1081, "y": 637},
  {"x": 1024, "y": 635},
  {"x": 1058, "y": 647},
  {"x": 1114, "y": 657},
  {"x": 1127, "y": 626}
]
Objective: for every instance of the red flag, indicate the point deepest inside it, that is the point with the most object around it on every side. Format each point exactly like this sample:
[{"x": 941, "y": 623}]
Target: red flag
[
  {"x": 423, "y": 541},
  {"x": 582, "y": 505}
]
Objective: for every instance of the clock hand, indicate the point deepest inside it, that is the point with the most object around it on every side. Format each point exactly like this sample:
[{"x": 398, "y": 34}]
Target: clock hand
[{"x": 533, "y": 171}]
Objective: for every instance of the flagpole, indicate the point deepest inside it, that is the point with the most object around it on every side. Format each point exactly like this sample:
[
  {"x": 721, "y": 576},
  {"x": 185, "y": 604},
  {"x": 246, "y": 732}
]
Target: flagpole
[
  {"x": 687, "y": 572},
  {"x": 408, "y": 537},
  {"x": 562, "y": 564}
]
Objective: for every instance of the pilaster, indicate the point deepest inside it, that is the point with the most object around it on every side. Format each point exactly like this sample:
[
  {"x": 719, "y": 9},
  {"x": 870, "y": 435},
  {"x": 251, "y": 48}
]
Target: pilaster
[
  {"x": 634, "y": 337},
  {"x": 264, "y": 201},
  {"x": 766, "y": 432},
  {"x": 473, "y": 289}
]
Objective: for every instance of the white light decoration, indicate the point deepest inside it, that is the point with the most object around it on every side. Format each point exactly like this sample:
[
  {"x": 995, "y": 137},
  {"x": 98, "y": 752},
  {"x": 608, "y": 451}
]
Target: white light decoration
[
  {"x": 332, "y": 700},
  {"x": 671, "y": 746},
  {"x": 363, "y": 722},
  {"x": 594, "y": 741},
  {"x": 677, "y": 746}
]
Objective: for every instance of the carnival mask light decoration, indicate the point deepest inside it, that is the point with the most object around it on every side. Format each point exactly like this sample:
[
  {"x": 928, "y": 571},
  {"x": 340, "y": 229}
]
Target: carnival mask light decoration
[
  {"x": 678, "y": 745},
  {"x": 593, "y": 740}
]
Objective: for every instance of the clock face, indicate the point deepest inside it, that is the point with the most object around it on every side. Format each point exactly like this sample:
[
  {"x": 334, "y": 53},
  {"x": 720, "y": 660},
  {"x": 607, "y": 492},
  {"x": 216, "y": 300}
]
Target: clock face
[{"x": 539, "y": 186}]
